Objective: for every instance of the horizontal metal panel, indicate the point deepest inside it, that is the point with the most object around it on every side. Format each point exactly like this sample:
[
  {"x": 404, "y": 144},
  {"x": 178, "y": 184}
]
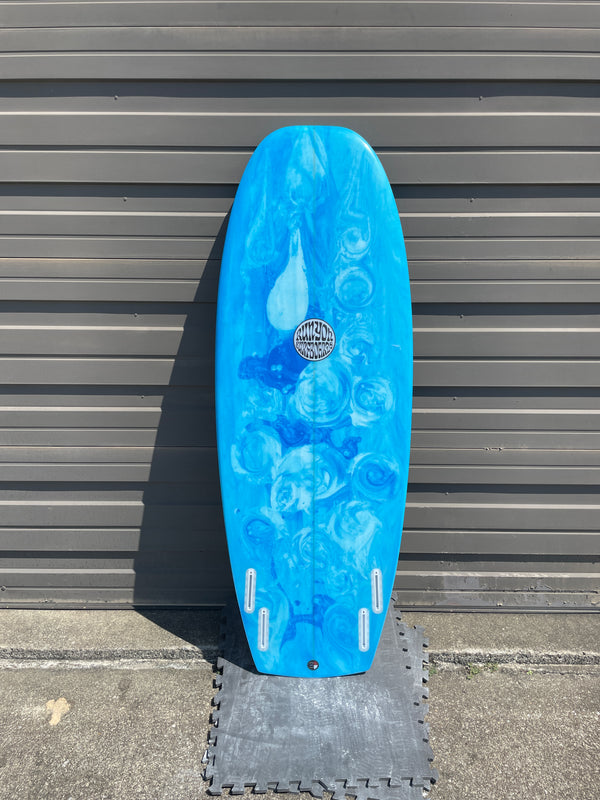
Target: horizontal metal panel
[
  {"x": 50, "y": 578},
  {"x": 494, "y": 439},
  {"x": 125, "y": 341},
  {"x": 180, "y": 562},
  {"x": 526, "y": 543},
  {"x": 497, "y": 475},
  {"x": 105, "y": 290},
  {"x": 193, "y": 429},
  {"x": 375, "y": 12},
  {"x": 85, "y": 472},
  {"x": 188, "y": 167},
  {"x": 495, "y": 200},
  {"x": 317, "y": 38},
  {"x": 520, "y": 291},
  {"x": 384, "y": 98},
  {"x": 449, "y": 271},
  {"x": 439, "y": 541},
  {"x": 121, "y": 166},
  {"x": 213, "y": 591},
  {"x": 125, "y": 269},
  {"x": 111, "y": 540},
  {"x": 301, "y": 66},
  {"x": 492, "y": 166},
  {"x": 63, "y": 340},
  {"x": 202, "y": 435},
  {"x": 505, "y": 316},
  {"x": 145, "y": 280},
  {"x": 500, "y": 224},
  {"x": 175, "y": 462},
  {"x": 477, "y": 248},
  {"x": 507, "y": 398},
  {"x": 186, "y": 200},
  {"x": 72, "y": 416},
  {"x": 41, "y": 512},
  {"x": 112, "y": 371},
  {"x": 191, "y": 247},
  {"x": 498, "y": 457},
  {"x": 126, "y": 198},
  {"x": 62, "y": 464},
  {"x": 170, "y": 398},
  {"x": 483, "y": 582},
  {"x": 108, "y": 579},
  {"x": 502, "y": 372},
  {"x": 397, "y": 129},
  {"x": 72, "y": 578},
  {"x": 519, "y": 575},
  {"x": 520, "y": 342},
  {"x": 111, "y": 456},
  {"x": 465, "y": 497},
  {"x": 36, "y": 513},
  {"x": 34, "y": 246},
  {"x": 503, "y": 515},
  {"x": 205, "y": 224},
  {"x": 191, "y": 371},
  {"x": 499, "y": 418},
  {"x": 100, "y": 313},
  {"x": 204, "y": 288},
  {"x": 494, "y": 601},
  {"x": 118, "y": 223},
  {"x": 84, "y": 464},
  {"x": 195, "y": 468},
  {"x": 412, "y": 201},
  {"x": 425, "y": 510},
  {"x": 209, "y": 594},
  {"x": 64, "y": 540},
  {"x": 303, "y": 13},
  {"x": 513, "y": 565}
]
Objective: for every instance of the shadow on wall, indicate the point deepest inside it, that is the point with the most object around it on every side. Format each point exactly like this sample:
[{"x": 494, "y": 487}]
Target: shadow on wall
[{"x": 182, "y": 556}]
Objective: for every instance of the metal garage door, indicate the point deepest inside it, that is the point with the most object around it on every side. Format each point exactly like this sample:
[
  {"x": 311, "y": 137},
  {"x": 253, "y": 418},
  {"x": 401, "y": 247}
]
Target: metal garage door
[{"x": 124, "y": 128}]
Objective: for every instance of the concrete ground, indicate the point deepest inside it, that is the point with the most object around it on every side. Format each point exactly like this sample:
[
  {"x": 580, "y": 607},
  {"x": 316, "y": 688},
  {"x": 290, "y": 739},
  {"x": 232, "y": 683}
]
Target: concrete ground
[{"x": 115, "y": 705}]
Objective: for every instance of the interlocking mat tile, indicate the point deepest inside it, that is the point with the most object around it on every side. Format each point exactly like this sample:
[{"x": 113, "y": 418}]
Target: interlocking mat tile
[{"x": 360, "y": 736}]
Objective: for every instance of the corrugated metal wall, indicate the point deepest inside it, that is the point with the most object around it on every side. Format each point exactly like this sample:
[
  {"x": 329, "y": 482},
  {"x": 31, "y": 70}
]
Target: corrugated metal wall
[{"x": 124, "y": 127}]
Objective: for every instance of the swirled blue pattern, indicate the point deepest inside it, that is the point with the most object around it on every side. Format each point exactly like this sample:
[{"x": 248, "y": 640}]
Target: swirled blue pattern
[
  {"x": 313, "y": 456},
  {"x": 375, "y": 477}
]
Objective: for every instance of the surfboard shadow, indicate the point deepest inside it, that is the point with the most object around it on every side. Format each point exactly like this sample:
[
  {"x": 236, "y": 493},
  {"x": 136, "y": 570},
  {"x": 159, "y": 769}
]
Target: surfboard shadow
[{"x": 181, "y": 560}]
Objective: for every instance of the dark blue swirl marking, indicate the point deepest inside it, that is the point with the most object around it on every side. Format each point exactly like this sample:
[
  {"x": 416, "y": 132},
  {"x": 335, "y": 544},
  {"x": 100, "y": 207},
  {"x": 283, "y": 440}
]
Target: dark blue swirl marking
[
  {"x": 260, "y": 532},
  {"x": 298, "y": 433},
  {"x": 375, "y": 477},
  {"x": 279, "y": 368}
]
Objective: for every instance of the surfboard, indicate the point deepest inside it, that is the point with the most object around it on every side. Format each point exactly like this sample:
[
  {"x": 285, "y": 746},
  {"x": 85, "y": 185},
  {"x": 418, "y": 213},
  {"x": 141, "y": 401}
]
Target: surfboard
[{"x": 313, "y": 399}]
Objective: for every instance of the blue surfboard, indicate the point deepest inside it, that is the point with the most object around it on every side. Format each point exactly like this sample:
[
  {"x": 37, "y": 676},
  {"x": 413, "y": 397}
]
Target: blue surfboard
[{"x": 313, "y": 398}]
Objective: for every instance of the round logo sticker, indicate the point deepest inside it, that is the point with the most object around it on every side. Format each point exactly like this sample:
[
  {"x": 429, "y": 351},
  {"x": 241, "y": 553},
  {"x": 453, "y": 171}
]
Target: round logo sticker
[{"x": 314, "y": 339}]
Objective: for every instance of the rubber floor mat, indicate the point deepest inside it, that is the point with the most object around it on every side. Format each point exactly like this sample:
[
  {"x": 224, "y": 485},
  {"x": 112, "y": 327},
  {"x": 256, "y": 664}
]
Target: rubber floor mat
[{"x": 360, "y": 736}]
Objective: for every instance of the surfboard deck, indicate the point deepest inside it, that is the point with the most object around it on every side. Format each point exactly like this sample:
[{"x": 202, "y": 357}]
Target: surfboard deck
[{"x": 313, "y": 399}]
